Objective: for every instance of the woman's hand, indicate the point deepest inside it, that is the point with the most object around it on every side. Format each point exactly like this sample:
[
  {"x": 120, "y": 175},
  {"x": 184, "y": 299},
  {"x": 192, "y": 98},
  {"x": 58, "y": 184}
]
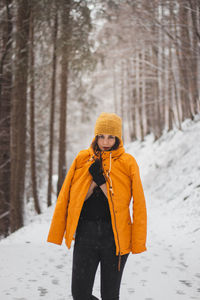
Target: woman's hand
[{"x": 97, "y": 173}]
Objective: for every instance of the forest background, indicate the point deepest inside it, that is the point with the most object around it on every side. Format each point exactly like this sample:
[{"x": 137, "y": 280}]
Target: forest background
[{"x": 64, "y": 61}]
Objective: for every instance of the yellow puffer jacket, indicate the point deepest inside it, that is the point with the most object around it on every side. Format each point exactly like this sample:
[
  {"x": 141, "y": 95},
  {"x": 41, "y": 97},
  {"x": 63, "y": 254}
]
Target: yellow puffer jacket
[{"x": 123, "y": 182}]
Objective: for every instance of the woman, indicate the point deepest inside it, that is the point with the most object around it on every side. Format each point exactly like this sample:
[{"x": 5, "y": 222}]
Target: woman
[{"x": 93, "y": 206}]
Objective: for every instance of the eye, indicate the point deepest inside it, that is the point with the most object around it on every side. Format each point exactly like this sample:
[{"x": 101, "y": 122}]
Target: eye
[
  {"x": 111, "y": 137},
  {"x": 101, "y": 136}
]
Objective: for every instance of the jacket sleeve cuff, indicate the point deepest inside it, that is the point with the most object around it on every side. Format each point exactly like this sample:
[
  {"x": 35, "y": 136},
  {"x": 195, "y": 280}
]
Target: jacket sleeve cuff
[
  {"x": 54, "y": 241},
  {"x": 138, "y": 249}
]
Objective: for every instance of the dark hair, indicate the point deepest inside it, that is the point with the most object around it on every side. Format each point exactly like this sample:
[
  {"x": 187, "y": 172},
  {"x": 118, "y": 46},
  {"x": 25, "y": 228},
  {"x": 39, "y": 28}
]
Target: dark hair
[{"x": 96, "y": 148}]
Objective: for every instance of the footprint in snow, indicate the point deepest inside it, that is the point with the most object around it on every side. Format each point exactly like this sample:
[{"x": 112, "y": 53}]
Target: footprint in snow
[
  {"x": 55, "y": 281},
  {"x": 19, "y": 279},
  {"x": 32, "y": 280},
  {"x": 164, "y": 272},
  {"x": 45, "y": 273},
  {"x": 51, "y": 259},
  {"x": 42, "y": 290},
  {"x": 186, "y": 282},
  {"x": 145, "y": 269},
  {"x": 180, "y": 268},
  {"x": 134, "y": 273},
  {"x": 131, "y": 291},
  {"x": 59, "y": 266},
  {"x": 143, "y": 282},
  {"x": 172, "y": 257},
  {"x": 183, "y": 264},
  {"x": 197, "y": 275},
  {"x": 180, "y": 292}
]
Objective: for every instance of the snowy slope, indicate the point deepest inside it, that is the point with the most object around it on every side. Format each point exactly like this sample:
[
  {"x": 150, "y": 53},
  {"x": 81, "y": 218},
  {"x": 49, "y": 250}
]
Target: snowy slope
[{"x": 33, "y": 269}]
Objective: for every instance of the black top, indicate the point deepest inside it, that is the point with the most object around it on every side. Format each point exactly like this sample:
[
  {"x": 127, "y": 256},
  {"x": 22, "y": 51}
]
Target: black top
[{"x": 96, "y": 207}]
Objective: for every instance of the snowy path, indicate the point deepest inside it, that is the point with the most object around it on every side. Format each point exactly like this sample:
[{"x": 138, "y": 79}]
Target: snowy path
[
  {"x": 170, "y": 267},
  {"x": 33, "y": 269}
]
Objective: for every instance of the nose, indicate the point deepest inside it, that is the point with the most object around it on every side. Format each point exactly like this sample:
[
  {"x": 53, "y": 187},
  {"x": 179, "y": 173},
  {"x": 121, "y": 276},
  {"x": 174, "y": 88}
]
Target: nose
[{"x": 105, "y": 141}]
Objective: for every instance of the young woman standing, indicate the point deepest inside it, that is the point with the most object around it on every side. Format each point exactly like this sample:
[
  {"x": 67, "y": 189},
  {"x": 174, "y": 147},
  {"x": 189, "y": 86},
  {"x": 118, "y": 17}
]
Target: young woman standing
[{"x": 93, "y": 206}]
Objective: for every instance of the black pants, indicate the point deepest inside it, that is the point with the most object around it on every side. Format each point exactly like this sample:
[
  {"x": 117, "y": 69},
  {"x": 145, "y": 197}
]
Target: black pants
[{"x": 95, "y": 244}]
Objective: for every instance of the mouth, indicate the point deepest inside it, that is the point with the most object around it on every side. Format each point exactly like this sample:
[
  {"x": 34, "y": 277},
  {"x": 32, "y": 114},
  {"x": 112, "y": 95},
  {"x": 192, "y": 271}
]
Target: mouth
[{"x": 106, "y": 148}]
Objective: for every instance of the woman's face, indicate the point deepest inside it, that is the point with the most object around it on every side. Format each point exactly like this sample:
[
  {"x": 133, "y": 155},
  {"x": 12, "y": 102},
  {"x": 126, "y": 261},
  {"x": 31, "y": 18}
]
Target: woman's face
[{"x": 105, "y": 141}]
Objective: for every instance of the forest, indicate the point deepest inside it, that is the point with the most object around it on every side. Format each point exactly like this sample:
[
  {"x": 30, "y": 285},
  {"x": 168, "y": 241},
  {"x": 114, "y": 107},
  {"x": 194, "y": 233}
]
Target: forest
[{"x": 63, "y": 61}]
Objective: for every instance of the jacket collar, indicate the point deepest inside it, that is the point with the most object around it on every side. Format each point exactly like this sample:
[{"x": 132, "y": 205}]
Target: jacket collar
[{"x": 106, "y": 154}]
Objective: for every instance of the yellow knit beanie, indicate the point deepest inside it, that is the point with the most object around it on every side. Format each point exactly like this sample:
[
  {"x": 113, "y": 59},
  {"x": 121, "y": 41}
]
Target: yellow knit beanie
[{"x": 109, "y": 123}]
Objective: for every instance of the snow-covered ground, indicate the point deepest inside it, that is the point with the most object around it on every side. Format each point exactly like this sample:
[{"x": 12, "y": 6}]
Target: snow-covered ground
[{"x": 33, "y": 269}]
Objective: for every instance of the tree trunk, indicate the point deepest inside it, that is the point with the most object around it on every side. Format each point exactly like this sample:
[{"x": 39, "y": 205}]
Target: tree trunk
[
  {"x": 157, "y": 94},
  {"x": 163, "y": 68},
  {"x": 18, "y": 120},
  {"x": 122, "y": 98},
  {"x": 143, "y": 92},
  {"x": 32, "y": 115},
  {"x": 170, "y": 94},
  {"x": 160, "y": 74},
  {"x": 129, "y": 92},
  {"x": 194, "y": 54},
  {"x": 133, "y": 103},
  {"x": 148, "y": 92},
  {"x": 184, "y": 61},
  {"x": 114, "y": 88},
  {"x": 139, "y": 96},
  {"x": 51, "y": 120},
  {"x": 176, "y": 100},
  {"x": 5, "y": 112},
  {"x": 65, "y": 37}
]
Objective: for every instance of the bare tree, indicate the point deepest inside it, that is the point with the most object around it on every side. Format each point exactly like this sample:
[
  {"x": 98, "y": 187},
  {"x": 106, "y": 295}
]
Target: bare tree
[
  {"x": 32, "y": 113},
  {"x": 18, "y": 121},
  {"x": 5, "y": 111},
  {"x": 65, "y": 36},
  {"x": 52, "y": 112},
  {"x": 194, "y": 40}
]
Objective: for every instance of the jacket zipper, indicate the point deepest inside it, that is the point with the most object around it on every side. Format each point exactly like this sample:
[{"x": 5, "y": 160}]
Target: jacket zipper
[{"x": 119, "y": 261}]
